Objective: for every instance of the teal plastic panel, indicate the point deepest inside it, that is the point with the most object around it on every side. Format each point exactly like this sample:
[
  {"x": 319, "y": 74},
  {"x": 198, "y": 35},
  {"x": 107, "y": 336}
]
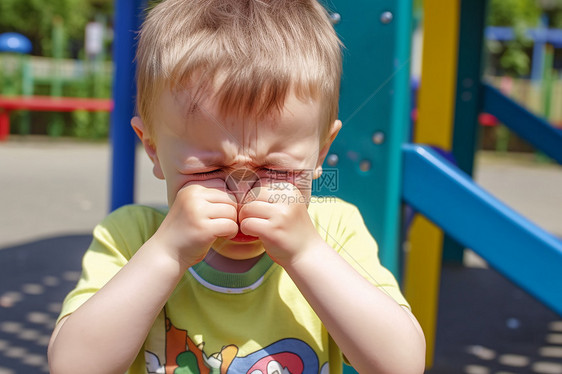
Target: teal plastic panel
[
  {"x": 374, "y": 109},
  {"x": 517, "y": 248},
  {"x": 348, "y": 370}
]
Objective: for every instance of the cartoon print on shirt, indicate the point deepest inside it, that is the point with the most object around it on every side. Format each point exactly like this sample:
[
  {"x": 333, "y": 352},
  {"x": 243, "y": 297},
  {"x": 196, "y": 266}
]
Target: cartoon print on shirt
[
  {"x": 183, "y": 356},
  {"x": 153, "y": 365}
]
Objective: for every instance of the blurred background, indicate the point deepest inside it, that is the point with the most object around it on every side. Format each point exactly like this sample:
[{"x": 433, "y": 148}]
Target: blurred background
[
  {"x": 70, "y": 42},
  {"x": 55, "y": 174}
]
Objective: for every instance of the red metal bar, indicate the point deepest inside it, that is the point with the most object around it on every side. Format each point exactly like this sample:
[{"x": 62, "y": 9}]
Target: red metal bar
[
  {"x": 4, "y": 124},
  {"x": 54, "y": 104},
  {"x": 48, "y": 104}
]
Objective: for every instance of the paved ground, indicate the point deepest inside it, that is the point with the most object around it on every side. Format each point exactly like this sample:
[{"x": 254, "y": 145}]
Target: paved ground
[
  {"x": 56, "y": 188},
  {"x": 53, "y": 193},
  {"x": 532, "y": 188}
]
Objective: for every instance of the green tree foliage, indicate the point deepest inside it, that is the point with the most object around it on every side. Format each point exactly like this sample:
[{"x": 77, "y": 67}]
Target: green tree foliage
[
  {"x": 553, "y": 8},
  {"x": 525, "y": 13},
  {"x": 520, "y": 15},
  {"x": 34, "y": 19}
]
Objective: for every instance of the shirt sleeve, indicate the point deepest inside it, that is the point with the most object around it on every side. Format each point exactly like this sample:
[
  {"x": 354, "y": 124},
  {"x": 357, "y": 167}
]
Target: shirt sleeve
[
  {"x": 115, "y": 240},
  {"x": 343, "y": 228}
]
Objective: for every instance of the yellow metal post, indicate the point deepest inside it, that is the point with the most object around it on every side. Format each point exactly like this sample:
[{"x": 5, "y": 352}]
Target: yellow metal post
[{"x": 436, "y": 106}]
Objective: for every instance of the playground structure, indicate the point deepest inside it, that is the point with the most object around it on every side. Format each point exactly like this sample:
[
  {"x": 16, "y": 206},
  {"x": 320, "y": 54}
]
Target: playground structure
[
  {"x": 30, "y": 83},
  {"x": 379, "y": 170},
  {"x": 47, "y": 103},
  {"x": 451, "y": 98},
  {"x": 24, "y": 75},
  {"x": 55, "y": 75}
]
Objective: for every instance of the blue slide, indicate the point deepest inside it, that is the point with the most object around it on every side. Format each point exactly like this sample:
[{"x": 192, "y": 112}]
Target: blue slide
[{"x": 514, "y": 246}]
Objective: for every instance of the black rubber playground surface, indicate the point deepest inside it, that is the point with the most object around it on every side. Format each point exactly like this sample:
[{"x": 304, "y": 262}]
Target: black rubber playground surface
[
  {"x": 34, "y": 279},
  {"x": 486, "y": 325}
]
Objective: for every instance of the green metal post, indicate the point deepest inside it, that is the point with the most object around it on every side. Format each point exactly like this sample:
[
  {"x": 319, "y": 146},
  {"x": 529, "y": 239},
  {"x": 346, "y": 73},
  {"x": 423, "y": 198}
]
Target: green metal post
[
  {"x": 26, "y": 90},
  {"x": 502, "y": 139},
  {"x": 56, "y": 127},
  {"x": 11, "y": 65},
  {"x": 548, "y": 81},
  {"x": 468, "y": 102},
  {"x": 99, "y": 61},
  {"x": 58, "y": 54},
  {"x": 2, "y": 75},
  {"x": 100, "y": 119},
  {"x": 547, "y": 87}
]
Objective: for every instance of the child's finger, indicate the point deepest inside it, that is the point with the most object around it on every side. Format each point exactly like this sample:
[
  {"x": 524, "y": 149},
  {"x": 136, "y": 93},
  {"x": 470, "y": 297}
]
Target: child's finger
[
  {"x": 256, "y": 209},
  {"x": 216, "y": 194},
  {"x": 224, "y": 227},
  {"x": 219, "y": 196},
  {"x": 254, "y": 226},
  {"x": 223, "y": 210}
]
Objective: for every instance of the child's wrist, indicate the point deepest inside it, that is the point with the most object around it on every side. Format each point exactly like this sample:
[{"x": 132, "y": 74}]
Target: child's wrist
[
  {"x": 164, "y": 250},
  {"x": 311, "y": 252}
]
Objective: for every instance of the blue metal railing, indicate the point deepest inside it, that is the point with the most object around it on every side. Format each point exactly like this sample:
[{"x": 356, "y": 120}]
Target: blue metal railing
[
  {"x": 537, "y": 131},
  {"x": 520, "y": 250}
]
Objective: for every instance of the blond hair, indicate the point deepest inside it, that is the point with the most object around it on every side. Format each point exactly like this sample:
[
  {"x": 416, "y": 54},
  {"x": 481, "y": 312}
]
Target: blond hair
[{"x": 252, "y": 53}]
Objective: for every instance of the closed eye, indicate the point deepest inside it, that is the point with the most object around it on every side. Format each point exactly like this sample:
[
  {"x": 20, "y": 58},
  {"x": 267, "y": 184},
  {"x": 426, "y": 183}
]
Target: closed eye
[
  {"x": 208, "y": 173},
  {"x": 266, "y": 172}
]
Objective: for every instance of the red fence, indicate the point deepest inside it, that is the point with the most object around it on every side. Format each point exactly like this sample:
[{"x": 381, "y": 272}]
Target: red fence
[{"x": 48, "y": 104}]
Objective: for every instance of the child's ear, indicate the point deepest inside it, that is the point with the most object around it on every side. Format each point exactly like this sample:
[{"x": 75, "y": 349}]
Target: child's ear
[
  {"x": 332, "y": 133},
  {"x": 148, "y": 144}
]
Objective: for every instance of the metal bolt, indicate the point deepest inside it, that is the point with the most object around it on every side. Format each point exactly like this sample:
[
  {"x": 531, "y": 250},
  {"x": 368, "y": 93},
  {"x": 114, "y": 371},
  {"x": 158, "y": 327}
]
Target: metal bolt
[
  {"x": 335, "y": 18},
  {"x": 365, "y": 165},
  {"x": 332, "y": 159},
  {"x": 378, "y": 137},
  {"x": 386, "y": 17}
]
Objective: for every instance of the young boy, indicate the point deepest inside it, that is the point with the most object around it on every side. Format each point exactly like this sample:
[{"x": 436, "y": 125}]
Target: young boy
[{"x": 245, "y": 273}]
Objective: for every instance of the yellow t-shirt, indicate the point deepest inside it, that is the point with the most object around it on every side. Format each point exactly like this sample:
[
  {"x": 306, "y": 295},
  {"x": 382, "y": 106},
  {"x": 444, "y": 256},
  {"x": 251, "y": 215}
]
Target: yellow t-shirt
[{"x": 214, "y": 322}]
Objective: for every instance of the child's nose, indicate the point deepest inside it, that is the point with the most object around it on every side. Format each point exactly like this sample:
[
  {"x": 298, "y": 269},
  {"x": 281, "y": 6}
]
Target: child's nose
[{"x": 240, "y": 182}]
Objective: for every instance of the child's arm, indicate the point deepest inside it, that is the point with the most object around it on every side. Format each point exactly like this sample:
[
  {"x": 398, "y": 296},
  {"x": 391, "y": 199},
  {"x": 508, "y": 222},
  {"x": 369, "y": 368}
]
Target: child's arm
[
  {"x": 105, "y": 334},
  {"x": 375, "y": 333}
]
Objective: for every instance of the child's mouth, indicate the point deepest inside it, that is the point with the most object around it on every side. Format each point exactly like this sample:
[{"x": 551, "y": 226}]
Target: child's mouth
[{"x": 243, "y": 238}]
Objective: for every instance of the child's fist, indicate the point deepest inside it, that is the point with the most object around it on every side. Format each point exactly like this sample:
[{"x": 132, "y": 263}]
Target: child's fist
[
  {"x": 279, "y": 217},
  {"x": 201, "y": 212}
]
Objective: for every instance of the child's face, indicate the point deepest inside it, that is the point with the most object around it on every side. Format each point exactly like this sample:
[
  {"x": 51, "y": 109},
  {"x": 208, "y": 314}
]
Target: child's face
[{"x": 203, "y": 145}]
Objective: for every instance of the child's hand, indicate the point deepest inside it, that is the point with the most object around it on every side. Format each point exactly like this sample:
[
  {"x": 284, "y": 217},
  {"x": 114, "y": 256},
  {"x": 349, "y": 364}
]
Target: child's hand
[
  {"x": 201, "y": 212},
  {"x": 279, "y": 217}
]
